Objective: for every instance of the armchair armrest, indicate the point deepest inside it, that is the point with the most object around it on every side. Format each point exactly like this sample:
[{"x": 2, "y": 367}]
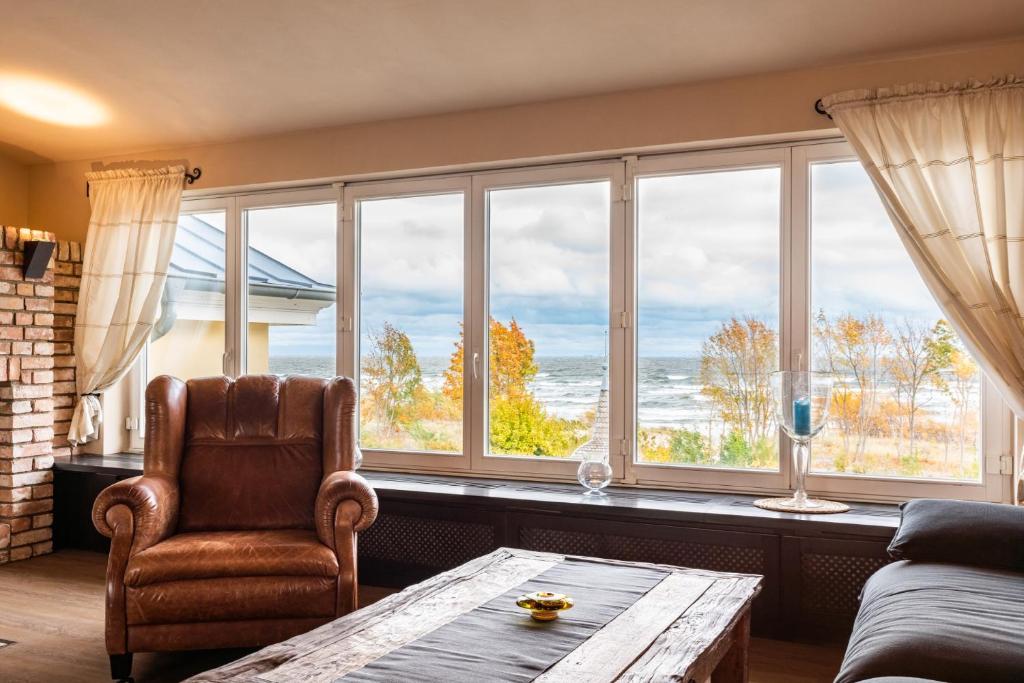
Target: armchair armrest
[
  {"x": 337, "y": 489},
  {"x": 152, "y": 501},
  {"x": 961, "y": 532}
]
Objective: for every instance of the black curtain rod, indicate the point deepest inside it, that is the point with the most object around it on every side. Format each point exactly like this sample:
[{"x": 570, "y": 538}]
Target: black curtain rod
[
  {"x": 821, "y": 109},
  {"x": 189, "y": 178}
]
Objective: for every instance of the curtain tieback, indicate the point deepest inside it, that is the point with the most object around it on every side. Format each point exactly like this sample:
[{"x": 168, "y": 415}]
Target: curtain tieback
[{"x": 86, "y": 421}]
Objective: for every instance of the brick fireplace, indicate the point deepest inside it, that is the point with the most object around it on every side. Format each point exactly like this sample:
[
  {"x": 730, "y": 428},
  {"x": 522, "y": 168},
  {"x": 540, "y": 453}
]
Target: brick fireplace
[{"x": 37, "y": 388}]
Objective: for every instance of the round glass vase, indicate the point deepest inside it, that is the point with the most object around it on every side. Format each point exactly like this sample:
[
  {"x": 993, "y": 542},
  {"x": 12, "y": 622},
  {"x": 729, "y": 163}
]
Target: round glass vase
[
  {"x": 593, "y": 474},
  {"x": 802, "y": 402}
]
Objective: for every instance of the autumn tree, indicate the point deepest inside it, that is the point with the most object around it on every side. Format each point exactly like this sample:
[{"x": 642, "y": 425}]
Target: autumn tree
[
  {"x": 919, "y": 354},
  {"x": 735, "y": 366},
  {"x": 510, "y": 362},
  {"x": 853, "y": 350},
  {"x": 964, "y": 372},
  {"x": 518, "y": 422},
  {"x": 392, "y": 377}
]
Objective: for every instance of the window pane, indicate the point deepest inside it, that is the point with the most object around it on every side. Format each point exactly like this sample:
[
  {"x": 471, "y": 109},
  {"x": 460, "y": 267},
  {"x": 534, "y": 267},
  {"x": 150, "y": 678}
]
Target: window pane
[
  {"x": 907, "y": 399},
  {"x": 410, "y": 330},
  {"x": 548, "y": 330},
  {"x": 708, "y": 318},
  {"x": 188, "y": 337},
  {"x": 292, "y": 274}
]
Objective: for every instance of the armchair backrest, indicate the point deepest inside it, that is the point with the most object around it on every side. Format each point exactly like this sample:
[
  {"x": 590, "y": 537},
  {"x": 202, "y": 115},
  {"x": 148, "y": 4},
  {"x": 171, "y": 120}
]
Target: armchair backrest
[{"x": 251, "y": 452}]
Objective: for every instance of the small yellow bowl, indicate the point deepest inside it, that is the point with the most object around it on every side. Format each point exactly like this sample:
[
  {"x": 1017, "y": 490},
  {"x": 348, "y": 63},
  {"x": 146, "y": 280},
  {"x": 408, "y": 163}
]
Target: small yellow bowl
[{"x": 544, "y": 606}]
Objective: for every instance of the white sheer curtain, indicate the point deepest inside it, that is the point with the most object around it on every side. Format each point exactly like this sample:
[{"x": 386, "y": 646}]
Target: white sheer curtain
[
  {"x": 127, "y": 249},
  {"x": 948, "y": 163}
]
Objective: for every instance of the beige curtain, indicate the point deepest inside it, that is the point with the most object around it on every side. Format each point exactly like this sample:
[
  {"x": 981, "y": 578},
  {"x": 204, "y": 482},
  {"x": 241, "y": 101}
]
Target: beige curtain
[
  {"x": 127, "y": 249},
  {"x": 948, "y": 163}
]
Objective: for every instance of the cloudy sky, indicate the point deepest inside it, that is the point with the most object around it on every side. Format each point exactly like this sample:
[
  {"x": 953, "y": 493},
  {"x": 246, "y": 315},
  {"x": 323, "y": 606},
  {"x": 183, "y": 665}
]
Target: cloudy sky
[
  {"x": 302, "y": 237},
  {"x": 708, "y": 250}
]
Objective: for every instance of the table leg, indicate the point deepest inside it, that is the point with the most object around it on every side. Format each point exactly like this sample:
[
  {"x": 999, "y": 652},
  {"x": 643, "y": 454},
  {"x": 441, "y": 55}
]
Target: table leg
[{"x": 733, "y": 668}]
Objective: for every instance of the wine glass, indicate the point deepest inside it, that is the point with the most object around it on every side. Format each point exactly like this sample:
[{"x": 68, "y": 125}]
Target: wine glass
[{"x": 802, "y": 401}]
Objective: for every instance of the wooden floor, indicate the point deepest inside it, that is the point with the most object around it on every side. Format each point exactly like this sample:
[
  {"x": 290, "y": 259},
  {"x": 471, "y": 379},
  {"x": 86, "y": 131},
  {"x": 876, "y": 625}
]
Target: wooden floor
[{"x": 51, "y": 607}]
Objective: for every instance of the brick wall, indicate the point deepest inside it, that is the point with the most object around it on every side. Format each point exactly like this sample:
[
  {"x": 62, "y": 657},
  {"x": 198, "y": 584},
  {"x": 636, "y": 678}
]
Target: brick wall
[
  {"x": 36, "y": 389},
  {"x": 67, "y": 277}
]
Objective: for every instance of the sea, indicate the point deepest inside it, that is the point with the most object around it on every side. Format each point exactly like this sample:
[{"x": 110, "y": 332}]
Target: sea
[
  {"x": 668, "y": 389},
  {"x": 568, "y": 386}
]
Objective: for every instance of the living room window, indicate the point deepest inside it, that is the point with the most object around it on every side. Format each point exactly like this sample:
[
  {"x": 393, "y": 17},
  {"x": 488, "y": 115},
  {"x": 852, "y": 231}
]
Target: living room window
[
  {"x": 708, "y": 317},
  {"x": 907, "y": 398},
  {"x": 501, "y": 322},
  {"x": 411, "y": 309},
  {"x": 547, "y": 311},
  {"x": 291, "y": 308}
]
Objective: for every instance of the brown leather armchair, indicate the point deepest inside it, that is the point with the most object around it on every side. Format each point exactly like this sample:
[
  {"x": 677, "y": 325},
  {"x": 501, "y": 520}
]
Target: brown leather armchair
[{"x": 242, "y": 530}]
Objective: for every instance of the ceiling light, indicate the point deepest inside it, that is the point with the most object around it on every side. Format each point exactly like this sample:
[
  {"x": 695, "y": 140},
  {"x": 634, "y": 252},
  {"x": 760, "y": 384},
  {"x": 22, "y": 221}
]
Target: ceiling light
[{"x": 50, "y": 101}]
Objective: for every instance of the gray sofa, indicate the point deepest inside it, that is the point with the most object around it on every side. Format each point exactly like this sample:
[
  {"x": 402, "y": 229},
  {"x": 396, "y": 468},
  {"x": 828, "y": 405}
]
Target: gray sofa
[{"x": 951, "y": 608}]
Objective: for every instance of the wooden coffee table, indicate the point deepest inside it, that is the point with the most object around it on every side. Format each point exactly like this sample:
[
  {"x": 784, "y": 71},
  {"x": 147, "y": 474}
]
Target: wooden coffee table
[{"x": 692, "y": 626}]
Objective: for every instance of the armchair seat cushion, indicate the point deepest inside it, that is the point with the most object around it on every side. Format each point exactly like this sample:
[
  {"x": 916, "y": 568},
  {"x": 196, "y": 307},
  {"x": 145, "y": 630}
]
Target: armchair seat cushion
[
  {"x": 232, "y": 554},
  {"x": 231, "y": 600}
]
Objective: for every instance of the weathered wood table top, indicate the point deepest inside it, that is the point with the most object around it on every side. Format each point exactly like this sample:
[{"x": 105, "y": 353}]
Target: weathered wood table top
[{"x": 692, "y": 626}]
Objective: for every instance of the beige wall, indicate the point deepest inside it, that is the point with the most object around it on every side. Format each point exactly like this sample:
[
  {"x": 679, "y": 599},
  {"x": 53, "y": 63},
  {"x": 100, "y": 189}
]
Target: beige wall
[
  {"x": 766, "y": 105},
  {"x": 13, "y": 192}
]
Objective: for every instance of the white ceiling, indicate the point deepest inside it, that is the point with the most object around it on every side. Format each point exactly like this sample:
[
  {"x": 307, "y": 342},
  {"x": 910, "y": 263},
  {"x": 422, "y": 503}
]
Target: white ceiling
[{"x": 195, "y": 71}]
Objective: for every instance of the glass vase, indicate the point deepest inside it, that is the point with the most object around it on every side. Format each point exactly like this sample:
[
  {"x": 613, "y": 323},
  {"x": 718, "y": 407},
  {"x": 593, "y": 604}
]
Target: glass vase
[
  {"x": 594, "y": 474},
  {"x": 801, "y": 401}
]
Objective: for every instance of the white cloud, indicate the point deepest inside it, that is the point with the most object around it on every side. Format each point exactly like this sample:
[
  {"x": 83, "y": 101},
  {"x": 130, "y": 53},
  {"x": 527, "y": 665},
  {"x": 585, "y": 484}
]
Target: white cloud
[{"x": 709, "y": 247}]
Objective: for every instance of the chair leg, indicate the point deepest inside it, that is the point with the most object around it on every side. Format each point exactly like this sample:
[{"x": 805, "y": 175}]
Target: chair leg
[{"x": 121, "y": 668}]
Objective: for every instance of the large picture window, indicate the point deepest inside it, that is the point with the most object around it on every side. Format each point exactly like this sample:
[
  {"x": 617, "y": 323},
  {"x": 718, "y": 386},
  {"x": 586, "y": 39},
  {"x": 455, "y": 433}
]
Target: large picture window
[
  {"x": 708, "y": 317},
  {"x": 907, "y": 398},
  {"x": 547, "y": 331},
  {"x": 410, "y": 322},
  {"x": 510, "y": 323}
]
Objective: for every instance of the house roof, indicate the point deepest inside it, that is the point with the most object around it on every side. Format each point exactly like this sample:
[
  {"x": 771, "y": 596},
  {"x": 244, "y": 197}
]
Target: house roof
[{"x": 199, "y": 257}]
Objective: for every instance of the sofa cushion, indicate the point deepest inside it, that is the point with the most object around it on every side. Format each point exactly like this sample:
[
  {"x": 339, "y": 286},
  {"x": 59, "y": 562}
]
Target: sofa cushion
[
  {"x": 224, "y": 554},
  {"x": 945, "y": 622},
  {"x": 962, "y": 532}
]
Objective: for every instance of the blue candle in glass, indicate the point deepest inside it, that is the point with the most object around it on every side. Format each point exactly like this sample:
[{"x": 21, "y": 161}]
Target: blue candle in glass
[{"x": 802, "y": 416}]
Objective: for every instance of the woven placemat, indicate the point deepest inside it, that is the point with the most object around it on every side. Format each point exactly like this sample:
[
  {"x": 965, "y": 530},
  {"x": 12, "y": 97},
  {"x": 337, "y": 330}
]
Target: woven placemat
[{"x": 823, "y": 507}]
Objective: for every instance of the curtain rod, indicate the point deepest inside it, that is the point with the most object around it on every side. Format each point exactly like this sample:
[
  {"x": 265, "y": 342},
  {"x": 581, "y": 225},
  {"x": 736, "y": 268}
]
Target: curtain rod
[
  {"x": 820, "y": 109},
  {"x": 189, "y": 178}
]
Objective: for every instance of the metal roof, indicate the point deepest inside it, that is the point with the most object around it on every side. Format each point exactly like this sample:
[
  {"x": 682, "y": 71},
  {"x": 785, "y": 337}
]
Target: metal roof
[{"x": 199, "y": 257}]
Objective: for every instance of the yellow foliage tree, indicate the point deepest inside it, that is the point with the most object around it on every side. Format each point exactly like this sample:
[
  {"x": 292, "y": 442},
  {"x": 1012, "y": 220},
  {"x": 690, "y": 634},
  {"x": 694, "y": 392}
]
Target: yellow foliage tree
[{"x": 734, "y": 369}]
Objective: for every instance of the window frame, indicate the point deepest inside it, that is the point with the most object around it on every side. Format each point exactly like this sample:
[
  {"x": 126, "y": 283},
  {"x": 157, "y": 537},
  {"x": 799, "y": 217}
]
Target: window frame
[
  {"x": 702, "y": 476},
  {"x": 237, "y": 318},
  {"x": 794, "y": 158},
  {"x": 348, "y": 308},
  {"x": 996, "y": 420},
  {"x": 549, "y": 467}
]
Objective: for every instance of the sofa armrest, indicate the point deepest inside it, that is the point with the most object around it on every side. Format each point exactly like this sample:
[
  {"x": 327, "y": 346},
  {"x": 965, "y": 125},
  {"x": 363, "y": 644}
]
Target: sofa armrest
[
  {"x": 961, "y": 532},
  {"x": 335, "y": 490},
  {"x": 153, "y": 503}
]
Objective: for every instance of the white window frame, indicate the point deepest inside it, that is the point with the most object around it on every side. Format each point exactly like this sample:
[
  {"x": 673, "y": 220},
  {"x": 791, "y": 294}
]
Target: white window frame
[
  {"x": 998, "y": 422},
  {"x": 544, "y": 467},
  {"x": 697, "y": 476},
  {"x": 474, "y": 188},
  {"x": 349, "y": 334}
]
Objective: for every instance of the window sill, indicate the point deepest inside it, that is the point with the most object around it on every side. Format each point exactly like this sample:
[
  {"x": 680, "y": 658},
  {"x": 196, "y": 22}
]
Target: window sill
[{"x": 872, "y": 520}]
